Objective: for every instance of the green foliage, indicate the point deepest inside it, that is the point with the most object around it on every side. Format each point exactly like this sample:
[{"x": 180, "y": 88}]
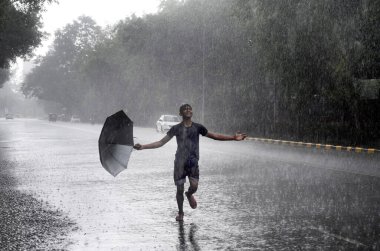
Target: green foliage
[
  {"x": 369, "y": 59},
  {"x": 19, "y": 28},
  {"x": 59, "y": 75},
  {"x": 284, "y": 69}
]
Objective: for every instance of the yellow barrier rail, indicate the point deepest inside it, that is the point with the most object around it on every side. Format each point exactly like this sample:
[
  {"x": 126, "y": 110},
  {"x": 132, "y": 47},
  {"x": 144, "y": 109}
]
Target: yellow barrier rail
[{"x": 318, "y": 146}]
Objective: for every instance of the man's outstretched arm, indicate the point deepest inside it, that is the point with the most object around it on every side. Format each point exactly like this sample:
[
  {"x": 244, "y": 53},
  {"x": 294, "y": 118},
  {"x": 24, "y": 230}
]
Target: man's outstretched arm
[
  {"x": 153, "y": 145},
  {"x": 238, "y": 136}
]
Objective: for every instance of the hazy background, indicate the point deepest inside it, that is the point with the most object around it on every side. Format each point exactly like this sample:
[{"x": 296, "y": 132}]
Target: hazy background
[{"x": 299, "y": 70}]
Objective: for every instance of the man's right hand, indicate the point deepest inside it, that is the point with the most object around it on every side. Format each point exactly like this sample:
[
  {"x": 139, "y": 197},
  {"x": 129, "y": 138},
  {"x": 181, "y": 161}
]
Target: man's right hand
[{"x": 137, "y": 146}]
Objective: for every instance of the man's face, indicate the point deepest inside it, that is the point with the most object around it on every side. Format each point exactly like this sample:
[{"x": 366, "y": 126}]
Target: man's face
[{"x": 187, "y": 112}]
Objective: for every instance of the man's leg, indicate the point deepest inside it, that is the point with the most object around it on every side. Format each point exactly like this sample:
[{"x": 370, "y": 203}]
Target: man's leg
[
  {"x": 193, "y": 187},
  {"x": 189, "y": 194},
  {"x": 180, "y": 198},
  {"x": 179, "y": 180}
]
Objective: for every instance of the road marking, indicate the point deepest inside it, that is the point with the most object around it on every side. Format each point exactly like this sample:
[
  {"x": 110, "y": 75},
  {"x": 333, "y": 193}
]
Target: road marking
[
  {"x": 358, "y": 149},
  {"x": 357, "y": 243},
  {"x": 318, "y": 146}
]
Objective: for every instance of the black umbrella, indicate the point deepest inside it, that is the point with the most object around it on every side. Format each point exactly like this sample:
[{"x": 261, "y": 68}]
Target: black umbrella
[{"x": 116, "y": 143}]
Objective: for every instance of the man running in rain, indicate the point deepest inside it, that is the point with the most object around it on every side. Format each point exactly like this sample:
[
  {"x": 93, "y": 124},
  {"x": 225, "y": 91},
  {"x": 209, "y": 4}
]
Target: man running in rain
[{"x": 187, "y": 155}]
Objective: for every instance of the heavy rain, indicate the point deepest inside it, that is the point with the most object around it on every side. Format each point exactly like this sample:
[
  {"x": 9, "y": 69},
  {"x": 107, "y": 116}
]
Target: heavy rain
[{"x": 268, "y": 110}]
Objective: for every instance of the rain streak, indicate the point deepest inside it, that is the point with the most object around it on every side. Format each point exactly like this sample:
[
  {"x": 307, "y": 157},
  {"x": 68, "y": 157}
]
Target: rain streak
[{"x": 190, "y": 125}]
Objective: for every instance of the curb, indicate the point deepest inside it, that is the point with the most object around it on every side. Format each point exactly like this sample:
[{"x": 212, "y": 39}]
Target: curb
[{"x": 317, "y": 146}]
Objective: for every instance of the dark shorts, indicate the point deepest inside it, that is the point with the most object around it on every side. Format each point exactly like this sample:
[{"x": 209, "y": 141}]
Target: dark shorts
[{"x": 185, "y": 168}]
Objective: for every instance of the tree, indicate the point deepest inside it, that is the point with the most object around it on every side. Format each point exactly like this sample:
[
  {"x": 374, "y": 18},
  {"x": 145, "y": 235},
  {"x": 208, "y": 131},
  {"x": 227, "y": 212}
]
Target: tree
[
  {"x": 58, "y": 77},
  {"x": 20, "y": 24},
  {"x": 274, "y": 68},
  {"x": 368, "y": 63},
  {"x": 4, "y": 76}
]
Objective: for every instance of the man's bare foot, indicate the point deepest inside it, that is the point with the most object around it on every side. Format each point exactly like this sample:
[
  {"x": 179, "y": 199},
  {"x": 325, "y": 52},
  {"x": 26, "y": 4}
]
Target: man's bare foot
[
  {"x": 179, "y": 217},
  {"x": 192, "y": 201}
]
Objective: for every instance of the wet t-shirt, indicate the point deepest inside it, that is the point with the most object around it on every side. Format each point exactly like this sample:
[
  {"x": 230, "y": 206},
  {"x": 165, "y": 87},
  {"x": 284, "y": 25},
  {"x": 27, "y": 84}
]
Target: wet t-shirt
[{"x": 187, "y": 140}]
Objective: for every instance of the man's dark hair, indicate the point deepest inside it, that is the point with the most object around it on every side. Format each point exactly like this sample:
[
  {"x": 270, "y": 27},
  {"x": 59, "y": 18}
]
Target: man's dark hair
[{"x": 183, "y": 107}]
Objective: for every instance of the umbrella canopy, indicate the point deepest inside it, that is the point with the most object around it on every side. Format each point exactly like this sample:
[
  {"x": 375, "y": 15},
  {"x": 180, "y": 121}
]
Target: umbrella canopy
[{"x": 116, "y": 142}]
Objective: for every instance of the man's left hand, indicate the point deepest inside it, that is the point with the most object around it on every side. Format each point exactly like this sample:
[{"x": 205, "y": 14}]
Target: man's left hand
[{"x": 240, "y": 136}]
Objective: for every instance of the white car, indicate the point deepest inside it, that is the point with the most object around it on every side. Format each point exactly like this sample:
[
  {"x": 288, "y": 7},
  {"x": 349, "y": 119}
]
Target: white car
[
  {"x": 75, "y": 119},
  {"x": 165, "y": 122}
]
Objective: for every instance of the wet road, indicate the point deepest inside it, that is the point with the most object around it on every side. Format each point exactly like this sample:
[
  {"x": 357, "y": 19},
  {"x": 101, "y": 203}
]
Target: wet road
[{"x": 251, "y": 196}]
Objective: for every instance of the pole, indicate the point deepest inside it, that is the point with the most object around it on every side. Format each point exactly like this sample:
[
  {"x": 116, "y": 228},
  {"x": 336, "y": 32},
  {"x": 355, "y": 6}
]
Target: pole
[
  {"x": 203, "y": 68},
  {"x": 274, "y": 107}
]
